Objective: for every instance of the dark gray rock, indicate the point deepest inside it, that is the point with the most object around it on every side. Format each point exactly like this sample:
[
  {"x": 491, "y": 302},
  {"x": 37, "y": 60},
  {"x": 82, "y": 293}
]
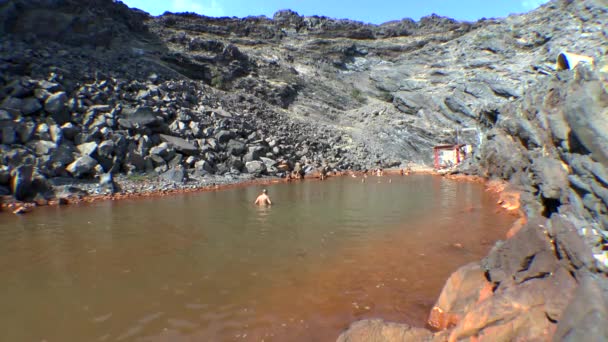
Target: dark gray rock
[
  {"x": 5, "y": 174},
  {"x": 156, "y": 160},
  {"x": 56, "y": 134},
  {"x": 5, "y": 115},
  {"x": 586, "y": 112},
  {"x": 163, "y": 150},
  {"x": 502, "y": 156},
  {"x": 236, "y": 147},
  {"x": 255, "y": 153},
  {"x": 136, "y": 118},
  {"x": 179, "y": 144},
  {"x": 21, "y": 181},
  {"x": 579, "y": 184},
  {"x": 600, "y": 192},
  {"x": 88, "y": 149},
  {"x": 106, "y": 148},
  {"x": 56, "y": 105},
  {"x": 224, "y": 136},
  {"x": 268, "y": 162},
  {"x": 585, "y": 317},
  {"x": 599, "y": 172},
  {"x": 569, "y": 244},
  {"x": 526, "y": 255},
  {"x": 409, "y": 103},
  {"x": 504, "y": 90},
  {"x": 7, "y": 135},
  {"x": 204, "y": 165},
  {"x": 175, "y": 175},
  {"x": 12, "y": 105},
  {"x": 551, "y": 177},
  {"x": 175, "y": 161},
  {"x": 134, "y": 162},
  {"x": 236, "y": 164},
  {"x": 523, "y": 129},
  {"x": 82, "y": 166},
  {"x": 559, "y": 127},
  {"x": 69, "y": 130},
  {"x": 43, "y": 147},
  {"x": 4, "y": 191},
  {"x": 30, "y": 106},
  {"x": 255, "y": 167},
  {"x": 457, "y": 105}
]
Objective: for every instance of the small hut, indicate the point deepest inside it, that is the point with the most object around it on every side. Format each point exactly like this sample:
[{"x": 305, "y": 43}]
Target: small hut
[{"x": 446, "y": 156}]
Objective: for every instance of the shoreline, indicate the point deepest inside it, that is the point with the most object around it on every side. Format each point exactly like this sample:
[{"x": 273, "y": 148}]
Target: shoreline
[{"x": 172, "y": 189}]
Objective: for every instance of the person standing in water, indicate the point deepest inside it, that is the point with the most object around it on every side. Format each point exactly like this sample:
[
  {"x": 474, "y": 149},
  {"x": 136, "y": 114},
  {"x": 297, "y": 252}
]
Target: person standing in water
[{"x": 263, "y": 199}]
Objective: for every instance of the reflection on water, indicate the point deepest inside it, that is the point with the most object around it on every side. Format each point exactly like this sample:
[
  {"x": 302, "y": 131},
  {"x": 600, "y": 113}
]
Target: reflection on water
[{"x": 213, "y": 266}]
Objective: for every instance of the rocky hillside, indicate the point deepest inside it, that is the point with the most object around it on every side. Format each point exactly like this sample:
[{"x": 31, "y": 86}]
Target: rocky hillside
[{"x": 92, "y": 89}]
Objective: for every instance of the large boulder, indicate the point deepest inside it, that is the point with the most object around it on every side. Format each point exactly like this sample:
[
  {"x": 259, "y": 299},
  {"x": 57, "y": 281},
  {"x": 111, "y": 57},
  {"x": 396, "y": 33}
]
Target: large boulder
[
  {"x": 527, "y": 255},
  {"x": 204, "y": 165},
  {"x": 136, "y": 118},
  {"x": 409, "y": 102},
  {"x": 69, "y": 130},
  {"x": 163, "y": 150},
  {"x": 106, "y": 148},
  {"x": 88, "y": 149},
  {"x": 5, "y": 115},
  {"x": 551, "y": 177},
  {"x": 464, "y": 288},
  {"x": 224, "y": 136},
  {"x": 30, "y": 105},
  {"x": 236, "y": 147},
  {"x": 12, "y": 105},
  {"x": 586, "y": 112},
  {"x": 254, "y": 153},
  {"x": 44, "y": 147},
  {"x": 82, "y": 166},
  {"x": 502, "y": 156},
  {"x": 179, "y": 144},
  {"x": 177, "y": 175},
  {"x": 56, "y": 105},
  {"x": 7, "y": 135},
  {"x": 134, "y": 162},
  {"x": 255, "y": 167},
  {"x": 21, "y": 181},
  {"x": 586, "y": 315}
]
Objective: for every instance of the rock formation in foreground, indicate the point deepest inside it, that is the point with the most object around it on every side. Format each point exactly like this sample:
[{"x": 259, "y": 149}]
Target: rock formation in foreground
[{"x": 92, "y": 90}]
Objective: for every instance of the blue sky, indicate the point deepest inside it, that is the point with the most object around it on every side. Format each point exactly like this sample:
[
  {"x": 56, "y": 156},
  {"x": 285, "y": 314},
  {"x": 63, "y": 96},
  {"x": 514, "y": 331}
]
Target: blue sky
[{"x": 377, "y": 11}]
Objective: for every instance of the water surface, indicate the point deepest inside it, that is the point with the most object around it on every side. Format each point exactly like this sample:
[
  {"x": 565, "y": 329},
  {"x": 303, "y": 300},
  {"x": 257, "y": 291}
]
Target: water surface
[{"x": 213, "y": 267}]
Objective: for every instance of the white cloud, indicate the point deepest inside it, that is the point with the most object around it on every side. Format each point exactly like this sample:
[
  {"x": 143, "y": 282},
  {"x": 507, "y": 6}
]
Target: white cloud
[
  {"x": 532, "y": 4},
  {"x": 205, "y": 7}
]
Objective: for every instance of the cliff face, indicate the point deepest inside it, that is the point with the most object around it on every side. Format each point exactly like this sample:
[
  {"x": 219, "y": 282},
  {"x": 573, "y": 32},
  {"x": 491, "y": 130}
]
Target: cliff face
[{"x": 94, "y": 88}]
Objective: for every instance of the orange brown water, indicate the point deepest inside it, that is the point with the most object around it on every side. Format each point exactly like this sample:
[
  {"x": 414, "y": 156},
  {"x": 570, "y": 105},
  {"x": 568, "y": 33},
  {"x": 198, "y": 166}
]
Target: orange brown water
[{"x": 213, "y": 267}]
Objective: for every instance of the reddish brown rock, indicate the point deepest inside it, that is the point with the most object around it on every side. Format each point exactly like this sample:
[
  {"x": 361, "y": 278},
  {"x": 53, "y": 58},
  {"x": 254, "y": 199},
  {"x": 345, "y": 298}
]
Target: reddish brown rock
[
  {"x": 462, "y": 290},
  {"x": 522, "y": 313},
  {"x": 528, "y": 292}
]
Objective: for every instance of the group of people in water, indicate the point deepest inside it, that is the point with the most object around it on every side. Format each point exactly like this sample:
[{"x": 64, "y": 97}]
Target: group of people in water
[{"x": 264, "y": 199}]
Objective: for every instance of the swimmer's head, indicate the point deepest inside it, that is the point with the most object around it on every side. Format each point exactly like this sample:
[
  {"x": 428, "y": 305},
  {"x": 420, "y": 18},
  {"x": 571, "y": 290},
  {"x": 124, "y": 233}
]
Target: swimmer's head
[{"x": 264, "y": 191}]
